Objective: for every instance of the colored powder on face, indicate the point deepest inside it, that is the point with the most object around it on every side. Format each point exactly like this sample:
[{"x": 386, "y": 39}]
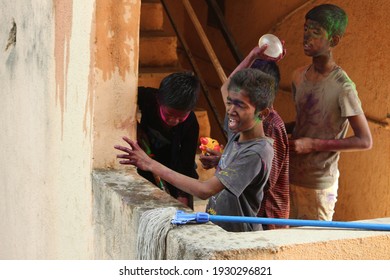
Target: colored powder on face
[{"x": 236, "y": 89}]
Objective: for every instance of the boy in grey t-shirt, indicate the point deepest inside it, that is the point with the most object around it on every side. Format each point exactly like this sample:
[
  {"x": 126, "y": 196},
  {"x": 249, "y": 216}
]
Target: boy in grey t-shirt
[{"x": 237, "y": 186}]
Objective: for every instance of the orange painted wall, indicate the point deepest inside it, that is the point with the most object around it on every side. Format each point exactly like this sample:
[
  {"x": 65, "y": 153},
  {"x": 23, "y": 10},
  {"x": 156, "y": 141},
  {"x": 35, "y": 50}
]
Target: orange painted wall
[{"x": 114, "y": 77}]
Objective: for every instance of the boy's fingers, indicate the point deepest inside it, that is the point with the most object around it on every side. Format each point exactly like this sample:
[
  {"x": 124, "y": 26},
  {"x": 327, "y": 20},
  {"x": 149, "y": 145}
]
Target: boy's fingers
[
  {"x": 263, "y": 48},
  {"x": 133, "y": 144},
  {"x": 126, "y": 162},
  {"x": 123, "y": 149},
  {"x": 123, "y": 156},
  {"x": 127, "y": 140}
]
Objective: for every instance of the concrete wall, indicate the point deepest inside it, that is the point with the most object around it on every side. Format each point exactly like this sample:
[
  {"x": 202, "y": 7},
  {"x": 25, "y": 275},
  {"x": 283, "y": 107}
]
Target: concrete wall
[
  {"x": 58, "y": 73},
  {"x": 115, "y": 80},
  {"x": 68, "y": 79},
  {"x": 46, "y": 132},
  {"x": 121, "y": 197}
]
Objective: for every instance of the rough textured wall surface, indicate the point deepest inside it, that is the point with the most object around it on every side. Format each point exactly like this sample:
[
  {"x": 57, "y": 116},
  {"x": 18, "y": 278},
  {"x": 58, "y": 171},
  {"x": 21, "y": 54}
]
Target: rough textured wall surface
[
  {"x": 68, "y": 79},
  {"x": 115, "y": 77},
  {"x": 45, "y": 162},
  {"x": 121, "y": 197}
]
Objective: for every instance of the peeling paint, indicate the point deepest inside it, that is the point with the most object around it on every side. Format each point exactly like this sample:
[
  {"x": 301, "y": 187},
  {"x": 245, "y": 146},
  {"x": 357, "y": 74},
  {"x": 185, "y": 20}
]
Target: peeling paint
[
  {"x": 114, "y": 27},
  {"x": 91, "y": 79},
  {"x": 63, "y": 32},
  {"x": 12, "y": 36}
]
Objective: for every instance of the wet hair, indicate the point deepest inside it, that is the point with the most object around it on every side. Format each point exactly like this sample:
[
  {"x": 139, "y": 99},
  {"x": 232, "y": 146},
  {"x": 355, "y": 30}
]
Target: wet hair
[
  {"x": 269, "y": 67},
  {"x": 257, "y": 85},
  {"x": 331, "y": 17},
  {"x": 179, "y": 91}
]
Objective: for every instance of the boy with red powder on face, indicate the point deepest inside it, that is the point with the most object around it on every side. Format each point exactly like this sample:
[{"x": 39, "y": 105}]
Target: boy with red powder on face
[
  {"x": 169, "y": 131},
  {"x": 326, "y": 103}
]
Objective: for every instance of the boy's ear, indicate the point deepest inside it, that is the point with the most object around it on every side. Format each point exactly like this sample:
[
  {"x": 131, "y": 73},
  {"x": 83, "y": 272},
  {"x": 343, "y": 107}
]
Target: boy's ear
[
  {"x": 334, "y": 40},
  {"x": 264, "y": 113}
]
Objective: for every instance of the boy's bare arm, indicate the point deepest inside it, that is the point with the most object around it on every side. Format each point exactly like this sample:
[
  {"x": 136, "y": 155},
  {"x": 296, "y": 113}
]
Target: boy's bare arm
[
  {"x": 245, "y": 63},
  {"x": 134, "y": 155},
  {"x": 256, "y": 53},
  {"x": 361, "y": 140}
]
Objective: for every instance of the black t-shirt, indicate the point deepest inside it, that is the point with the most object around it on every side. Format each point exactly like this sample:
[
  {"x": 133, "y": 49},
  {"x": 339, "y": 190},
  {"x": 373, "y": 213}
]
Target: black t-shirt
[{"x": 174, "y": 147}]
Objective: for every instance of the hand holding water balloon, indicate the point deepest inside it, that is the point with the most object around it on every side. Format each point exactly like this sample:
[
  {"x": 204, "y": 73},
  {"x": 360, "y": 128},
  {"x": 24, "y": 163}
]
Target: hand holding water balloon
[{"x": 271, "y": 48}]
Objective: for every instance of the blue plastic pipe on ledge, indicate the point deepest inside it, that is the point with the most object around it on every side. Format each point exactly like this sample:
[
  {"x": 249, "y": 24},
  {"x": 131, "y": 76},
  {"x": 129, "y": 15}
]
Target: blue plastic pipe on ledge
[{"x": 182, "y": 218}]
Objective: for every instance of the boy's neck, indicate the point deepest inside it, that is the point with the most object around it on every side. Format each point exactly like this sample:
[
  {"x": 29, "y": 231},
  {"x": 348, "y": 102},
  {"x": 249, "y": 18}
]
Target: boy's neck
[
  {"x": 321, "y": 67},
  {"x": 255, "y": 132}
]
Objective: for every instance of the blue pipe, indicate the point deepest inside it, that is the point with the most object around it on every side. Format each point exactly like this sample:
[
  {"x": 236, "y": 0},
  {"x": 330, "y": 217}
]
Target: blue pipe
[{"x": 183, "y": 218}]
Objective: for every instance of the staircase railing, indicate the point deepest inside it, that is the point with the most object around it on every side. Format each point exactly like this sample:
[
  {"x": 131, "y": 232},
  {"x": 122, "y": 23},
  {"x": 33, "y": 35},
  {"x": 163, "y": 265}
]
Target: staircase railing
[
  {"x": 212, "y": 4},
  {"x": 205, "y": 40}
]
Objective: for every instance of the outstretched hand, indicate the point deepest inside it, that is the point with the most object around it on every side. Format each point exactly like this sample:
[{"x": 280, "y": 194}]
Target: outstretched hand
[{"x": 133, "y": 155}]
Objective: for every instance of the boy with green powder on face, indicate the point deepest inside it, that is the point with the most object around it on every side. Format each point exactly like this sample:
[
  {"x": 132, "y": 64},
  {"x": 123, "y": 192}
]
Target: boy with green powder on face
[
  {"x": 236, "y": 189},
  {"x": 326, "y": 103}
]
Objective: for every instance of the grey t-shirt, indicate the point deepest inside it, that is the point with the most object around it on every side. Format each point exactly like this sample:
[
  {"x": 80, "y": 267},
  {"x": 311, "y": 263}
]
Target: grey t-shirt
[
  {"x": 322, "y": 109},
  {"x": 243, "y": 170}
]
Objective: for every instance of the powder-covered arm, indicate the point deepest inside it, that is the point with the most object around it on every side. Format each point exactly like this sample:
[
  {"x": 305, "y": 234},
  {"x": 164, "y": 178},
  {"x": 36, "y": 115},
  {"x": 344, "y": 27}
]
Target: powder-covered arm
[
  {"x": 361, "y": 140},
  {"x": 134, "y": 155}
]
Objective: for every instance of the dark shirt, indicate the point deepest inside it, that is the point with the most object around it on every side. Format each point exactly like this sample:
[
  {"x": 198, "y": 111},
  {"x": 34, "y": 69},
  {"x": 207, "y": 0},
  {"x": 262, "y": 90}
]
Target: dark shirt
[{"x": 174, "y": 147}]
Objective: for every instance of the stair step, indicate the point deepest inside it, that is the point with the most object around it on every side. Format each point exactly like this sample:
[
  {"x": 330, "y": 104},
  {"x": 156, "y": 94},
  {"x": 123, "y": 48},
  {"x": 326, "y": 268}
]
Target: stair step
[
  {"x": 204, "y": 122},
  {"x": 158, "y": 49},
  {"x": 152, "y": 76},
  {"x": 152, "y": 16}
]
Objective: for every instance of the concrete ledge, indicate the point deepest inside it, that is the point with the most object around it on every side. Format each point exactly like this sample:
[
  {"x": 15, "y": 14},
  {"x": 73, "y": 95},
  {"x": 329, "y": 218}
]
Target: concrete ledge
[
  {"x": 120, "y": 197},
  {"x": 211, "y": 242}
]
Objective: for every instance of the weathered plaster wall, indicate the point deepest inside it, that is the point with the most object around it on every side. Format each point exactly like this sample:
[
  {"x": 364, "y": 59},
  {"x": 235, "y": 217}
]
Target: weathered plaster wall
[
  {"x": 45, "y": 139},
  {"x": 122, "y": 196},
  {"x": 68, "y": 74},
  {"x": 116, "y": 77},
  {"x": 59, "y": 120}
]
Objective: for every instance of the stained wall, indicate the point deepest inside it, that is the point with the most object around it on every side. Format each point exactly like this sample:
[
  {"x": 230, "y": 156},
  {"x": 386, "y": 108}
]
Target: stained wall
[
  {"x": 68, "y": 74},
  {"x": 68, "y": 77}
]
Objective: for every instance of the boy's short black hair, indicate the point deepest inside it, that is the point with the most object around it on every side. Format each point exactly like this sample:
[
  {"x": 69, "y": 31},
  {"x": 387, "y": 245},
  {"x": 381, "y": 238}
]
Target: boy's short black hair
[
  {"x": 179, "y": 91},
  {"x": 331, "y": 17},
  {"x": 257, "y": 85},
  {"x": 269, "y": 67}
]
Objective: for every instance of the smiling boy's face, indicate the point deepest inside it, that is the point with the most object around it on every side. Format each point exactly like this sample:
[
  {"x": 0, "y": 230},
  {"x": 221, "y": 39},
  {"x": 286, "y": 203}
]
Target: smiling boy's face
[
  {"x": 240, "y": 112},
  {"x": 316, "y": 40}
]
